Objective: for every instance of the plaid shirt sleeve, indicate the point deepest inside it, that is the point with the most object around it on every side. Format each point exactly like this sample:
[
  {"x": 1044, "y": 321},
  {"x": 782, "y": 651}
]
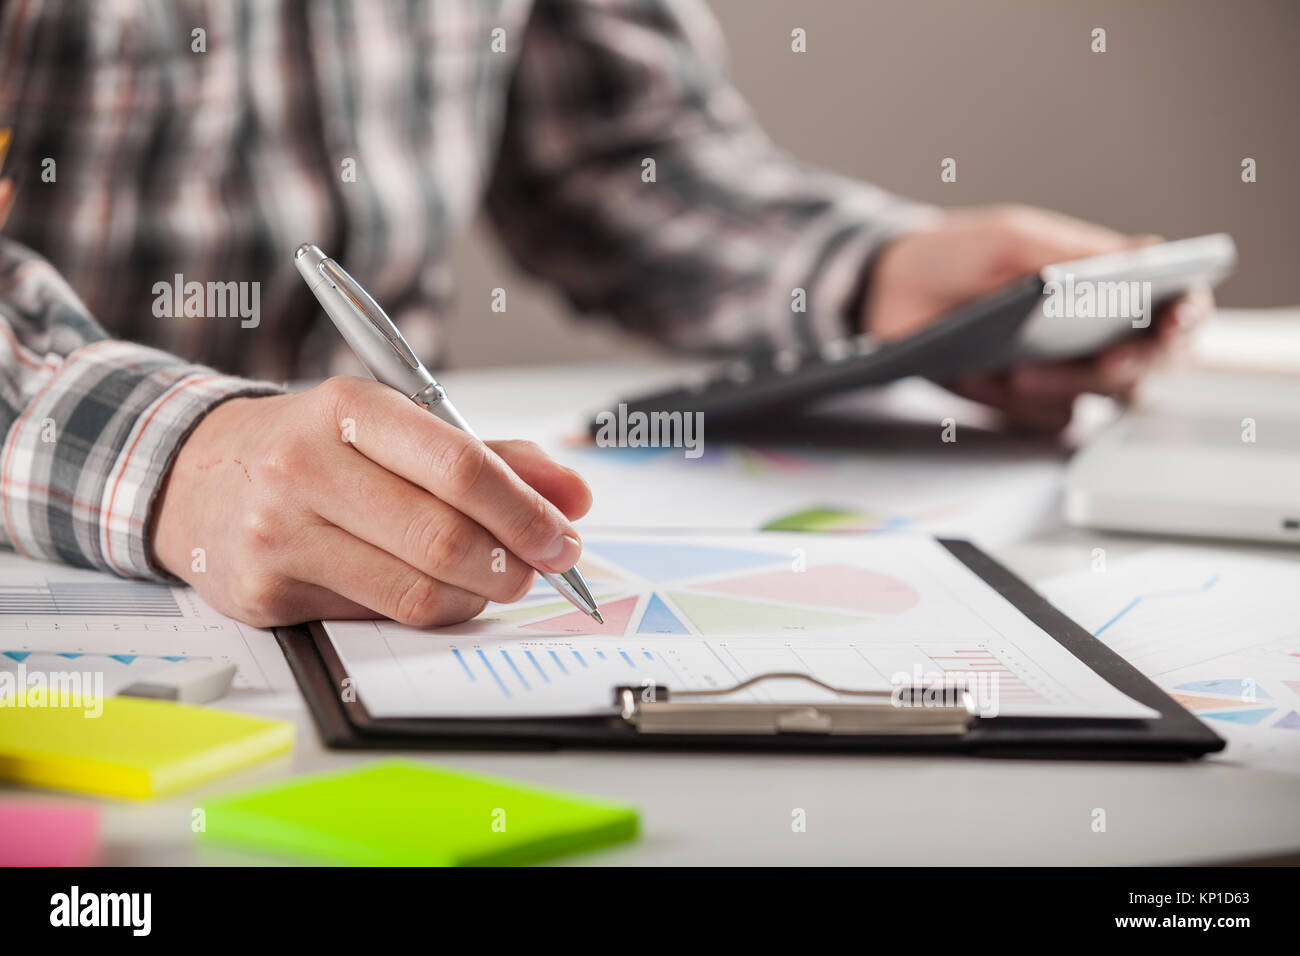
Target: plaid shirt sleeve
[
  {"x": 707, "y": 255},
  {"x": 90, "y": 424}
]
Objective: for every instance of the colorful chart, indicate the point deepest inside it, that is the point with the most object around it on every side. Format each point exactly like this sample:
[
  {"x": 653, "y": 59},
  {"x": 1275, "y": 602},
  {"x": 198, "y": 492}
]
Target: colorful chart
[
  {"x": 705, "y": 612},
  {"x": 1245, "y": 690},
  {"x": 1237, "y": 700},
  {"x": 1201, "y": 588},
  {"x": 837, "y": 520},
  {"x": 1249, "y": 717},
  {"x": 22, "y": 656},
  {"x": 648, "y": 587},
  {"x": 107, "y": 672},
  {"x": 1290, "y": 722}
]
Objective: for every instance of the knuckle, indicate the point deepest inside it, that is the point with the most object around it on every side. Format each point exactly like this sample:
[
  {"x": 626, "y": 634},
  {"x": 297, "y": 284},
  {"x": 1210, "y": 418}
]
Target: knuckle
[
  {"x": 418, "y": 602},
  {"x": 261, "y": 529},
  {"x": 284, "y": 463},
  {"x": 442, "y": 543},
  {"x": 534, "y": 526},
  {"x": 336, "y": 390},
  {"x": 424, "y": 602},
  {"x": 460, "y": 461},
  {"x": 282, "y": 458},
  {"x": 259, "y": 599},
  {"x": 336, "y": 398}
]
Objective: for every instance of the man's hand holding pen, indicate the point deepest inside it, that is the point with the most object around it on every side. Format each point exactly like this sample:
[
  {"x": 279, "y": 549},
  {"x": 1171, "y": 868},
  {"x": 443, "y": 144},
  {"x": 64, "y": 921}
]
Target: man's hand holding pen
[{"x": 348, "y": 501}]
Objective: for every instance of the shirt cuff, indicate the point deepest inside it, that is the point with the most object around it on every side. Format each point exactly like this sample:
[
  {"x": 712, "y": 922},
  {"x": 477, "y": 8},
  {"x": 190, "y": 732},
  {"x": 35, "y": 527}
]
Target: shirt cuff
[
  {"x": 83, "y": 464},
  {"x": 839, "y": 279}
]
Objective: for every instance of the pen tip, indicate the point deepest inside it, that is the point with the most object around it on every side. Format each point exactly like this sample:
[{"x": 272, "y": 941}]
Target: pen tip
[{"x": 596, "y": 615}]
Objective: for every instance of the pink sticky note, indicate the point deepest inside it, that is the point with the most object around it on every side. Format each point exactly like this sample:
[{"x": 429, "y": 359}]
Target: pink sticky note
[{"x": 47, "y": 834}]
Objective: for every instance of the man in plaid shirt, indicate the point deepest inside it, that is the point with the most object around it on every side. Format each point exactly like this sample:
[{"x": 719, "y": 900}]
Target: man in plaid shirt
[{"x": 161, "y": 142}]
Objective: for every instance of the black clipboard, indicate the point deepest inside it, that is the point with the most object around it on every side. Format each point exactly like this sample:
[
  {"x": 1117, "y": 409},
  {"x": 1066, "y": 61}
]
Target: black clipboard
[{"x": 1176, "y": 734}]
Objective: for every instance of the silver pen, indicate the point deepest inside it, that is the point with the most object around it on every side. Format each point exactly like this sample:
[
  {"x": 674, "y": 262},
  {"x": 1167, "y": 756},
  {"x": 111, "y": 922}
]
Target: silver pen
[{"x": 385, "y": 353}]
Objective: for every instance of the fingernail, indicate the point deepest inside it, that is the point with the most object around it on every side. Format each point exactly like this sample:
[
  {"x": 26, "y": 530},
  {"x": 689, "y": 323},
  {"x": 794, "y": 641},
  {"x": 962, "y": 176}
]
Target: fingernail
[{"x": 562, "y": 554}]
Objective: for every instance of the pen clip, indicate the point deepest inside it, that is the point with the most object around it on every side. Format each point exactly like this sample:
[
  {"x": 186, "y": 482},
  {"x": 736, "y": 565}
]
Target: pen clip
[{"x": 368, "y": 309}]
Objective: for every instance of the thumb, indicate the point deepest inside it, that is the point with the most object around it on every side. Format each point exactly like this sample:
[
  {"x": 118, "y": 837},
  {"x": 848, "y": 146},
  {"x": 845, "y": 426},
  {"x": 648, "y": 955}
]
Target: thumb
[{"x": 1035, "y": 238}]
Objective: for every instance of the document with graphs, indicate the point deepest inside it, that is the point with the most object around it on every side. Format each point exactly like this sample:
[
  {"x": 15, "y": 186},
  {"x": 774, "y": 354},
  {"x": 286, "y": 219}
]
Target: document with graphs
[
  {"x": 61, "y": 622},
  {"x": 707, "y": 612}
]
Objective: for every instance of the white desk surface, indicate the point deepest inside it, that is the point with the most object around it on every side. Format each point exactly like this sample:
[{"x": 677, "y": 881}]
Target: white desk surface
[{"x": 711, "y": 808}]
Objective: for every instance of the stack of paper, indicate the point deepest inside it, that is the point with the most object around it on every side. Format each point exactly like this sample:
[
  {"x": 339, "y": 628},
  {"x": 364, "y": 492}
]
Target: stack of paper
[{"x": 1218, "y": 631}]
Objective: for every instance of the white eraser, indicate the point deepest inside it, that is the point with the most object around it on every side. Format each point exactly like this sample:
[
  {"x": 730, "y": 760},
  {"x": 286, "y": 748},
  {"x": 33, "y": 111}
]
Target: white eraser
[{"x": 189, "y": 682}]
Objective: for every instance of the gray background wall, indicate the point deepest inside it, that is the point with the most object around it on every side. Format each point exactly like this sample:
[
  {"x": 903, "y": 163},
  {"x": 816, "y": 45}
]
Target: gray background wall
[{"x": 1147, "y": 137}]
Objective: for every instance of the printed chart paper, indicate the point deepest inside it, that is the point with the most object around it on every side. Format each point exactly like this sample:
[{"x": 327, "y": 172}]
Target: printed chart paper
[
  {"x": 707, "y": 612},
  {"x": 59, "y": 619},
  {"x": 1218, "y": 632},
  {"x": 741, "y": 487},
  {"x": 886, "y": 471}
]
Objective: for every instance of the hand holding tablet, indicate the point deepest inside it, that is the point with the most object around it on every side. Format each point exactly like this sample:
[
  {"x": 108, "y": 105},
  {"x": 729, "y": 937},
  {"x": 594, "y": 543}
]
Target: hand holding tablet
[{"x": 1066, "y": 311}]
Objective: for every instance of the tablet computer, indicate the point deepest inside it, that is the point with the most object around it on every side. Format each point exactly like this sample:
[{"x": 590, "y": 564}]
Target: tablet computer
[
  {"x": 1069, "y": 310},
  {"x": 1088, "y": 304}
]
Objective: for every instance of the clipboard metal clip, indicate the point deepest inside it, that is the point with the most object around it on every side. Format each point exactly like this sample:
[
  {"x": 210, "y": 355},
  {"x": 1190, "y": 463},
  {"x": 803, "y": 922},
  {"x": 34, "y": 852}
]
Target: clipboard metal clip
[{"x": 653, "y": 709}]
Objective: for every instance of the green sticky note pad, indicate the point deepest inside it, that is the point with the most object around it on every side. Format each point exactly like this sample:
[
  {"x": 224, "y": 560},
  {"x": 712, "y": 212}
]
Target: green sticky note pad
[{"x": 402, "y": 813}]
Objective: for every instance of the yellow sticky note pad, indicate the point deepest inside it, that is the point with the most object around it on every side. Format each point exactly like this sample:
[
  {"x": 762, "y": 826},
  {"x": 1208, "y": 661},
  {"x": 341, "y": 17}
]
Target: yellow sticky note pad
[{"x": 135, "y": 747}]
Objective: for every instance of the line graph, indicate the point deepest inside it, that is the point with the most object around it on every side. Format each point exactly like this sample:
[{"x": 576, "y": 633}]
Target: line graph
[
  {"x": 1212, "y": 580},
  {"x": 1215, "y": 630}
]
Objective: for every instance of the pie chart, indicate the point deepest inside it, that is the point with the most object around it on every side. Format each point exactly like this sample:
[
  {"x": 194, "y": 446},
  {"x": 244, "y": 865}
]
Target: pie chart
[{"x": 648, "y": 587}]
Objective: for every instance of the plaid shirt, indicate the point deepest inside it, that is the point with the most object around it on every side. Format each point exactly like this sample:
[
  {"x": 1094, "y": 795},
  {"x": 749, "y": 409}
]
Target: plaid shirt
[{"x": 374, "y": 129}]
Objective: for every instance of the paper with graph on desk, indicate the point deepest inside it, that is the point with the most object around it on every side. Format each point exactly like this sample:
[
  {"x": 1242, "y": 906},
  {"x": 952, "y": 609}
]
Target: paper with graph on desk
[
  {"x": 60, "y": 620},
  {"x": 701, "y": 612},
  {"x": 1217, "y": 631}
]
